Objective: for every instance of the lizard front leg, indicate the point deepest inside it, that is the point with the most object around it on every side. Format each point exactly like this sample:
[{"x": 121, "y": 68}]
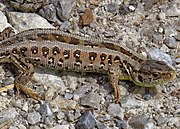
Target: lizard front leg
[{"x": 113, "y": 76}]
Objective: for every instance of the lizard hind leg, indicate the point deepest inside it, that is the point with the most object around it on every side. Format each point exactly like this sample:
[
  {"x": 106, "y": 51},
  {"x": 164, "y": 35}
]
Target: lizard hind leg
[
  {"x": 20, "y": 84},
  {"x": 113, "y": 76},
  {"x": 24, "y": 77}
]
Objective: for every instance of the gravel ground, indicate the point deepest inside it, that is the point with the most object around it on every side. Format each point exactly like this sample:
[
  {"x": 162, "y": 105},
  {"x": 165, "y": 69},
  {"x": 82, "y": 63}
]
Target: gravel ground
[{"x": 85, "y": 101}]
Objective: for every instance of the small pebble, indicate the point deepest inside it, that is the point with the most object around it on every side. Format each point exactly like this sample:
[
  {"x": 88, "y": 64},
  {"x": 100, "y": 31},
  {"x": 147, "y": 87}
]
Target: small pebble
[
  {"x": 115, "y": 110},
  {"x": 70, "y": 117},
  {"x": 170, "y": 42},
  {"x": 165, "y": 48},
  {"x": 112, "y": 7},
  {"x": 60, "y": 115},
  {"x": 77, "y": 114},
  {"x": 161, "y": 16},
  {"x": 173, "y": 10},
  {"x": 170, "y": 31},
  {"x": 101, "y": 125},
  {"x": 68, "y": 96},
  {"x": 33, "y": 118},
  {"x": 121, "y": 124},
  {"x": 131, "y": 8},
  {"x": 25, "y": 107},
  {"x": 177, "y": 60},
  {"x": 92, "y": 100}
]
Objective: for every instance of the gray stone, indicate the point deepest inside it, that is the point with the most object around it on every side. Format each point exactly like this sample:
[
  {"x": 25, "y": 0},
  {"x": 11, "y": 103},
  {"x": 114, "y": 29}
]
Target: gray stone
[
  {"x": 2, "y": 6},
  {"x": 147, "y": 96},
  {"x": 157, "y": 38},
  {"x": 77, "y": 114},
  {"x": 82, "y": 90},
  {"x": 141, "y": 122},
  {"x": 173, "y": 10},
  {"x": 160, "y": 120},
  {"x": 33, "y": 118},
  {"x": 170, "y": 31},
  {"x": 105, "y": 117},
  {"x": 109, "y": 98},
  {"x": 123, "y": 10},
  {"x": 101, "y": 125},
  {"x": 68, "y": 96},
  {"x": 170, "y": 42},
  {"x": 111, "y": 7},
  {"x": 60, "y": 127},
  {"x": 87, "y": 121},
  {"x": 177, "y": 60},
  {"x": 49, "y": 12},
  {"x": 65, "y": 26},
  {"x": 121, "y": 124},
  {"x": 92, "y": 100},
  {"x": 63, "y": 103},
  {"x": 28, "y": 5},
  {"x": 70, "y": 117},
  {"x": 24, "y": 21},
  {"x": 164, "y": 48},
  {"x": 161, "y": 16},
  {"x": 70, "y": 81},
  {"x": 25, "y": 107},
  {"x": 174, "y": 121},
  {"x": 63, "y": 8},
  {"x": 115, "y": 110},
  {"x": 149, "y": 4},
  {"x": 157, "y": 54},
  {"x": 7, "y": 115},
  {"x": 3, "y": 22},
  {"x": 50, "y": 79},
  {"x": 131, "y": 103},
  {"x": 46, "y": 114},
  {"x": 60, "y": 115}
]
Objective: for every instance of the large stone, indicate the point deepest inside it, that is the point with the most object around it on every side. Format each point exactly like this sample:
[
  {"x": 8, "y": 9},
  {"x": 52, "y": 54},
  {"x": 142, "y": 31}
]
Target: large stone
[{"x": 87, "y": 121}]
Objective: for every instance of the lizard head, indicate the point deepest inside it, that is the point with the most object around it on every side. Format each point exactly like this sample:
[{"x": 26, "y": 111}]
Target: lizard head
[{"x": 152, "y": 73}]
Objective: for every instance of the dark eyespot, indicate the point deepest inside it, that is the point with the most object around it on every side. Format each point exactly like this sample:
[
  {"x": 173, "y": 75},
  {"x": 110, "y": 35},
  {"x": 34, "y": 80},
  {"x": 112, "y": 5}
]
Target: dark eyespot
[
  {"x": 140, "y": 78},
  {"x": 155, "y": 75}
]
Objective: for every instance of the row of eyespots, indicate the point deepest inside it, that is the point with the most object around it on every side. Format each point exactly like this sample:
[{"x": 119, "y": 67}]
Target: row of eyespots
[{"x": 66, "y": 53}]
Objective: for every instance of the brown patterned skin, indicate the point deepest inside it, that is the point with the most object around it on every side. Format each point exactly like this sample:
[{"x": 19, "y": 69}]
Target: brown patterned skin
[{"x": 62, "y": 51}]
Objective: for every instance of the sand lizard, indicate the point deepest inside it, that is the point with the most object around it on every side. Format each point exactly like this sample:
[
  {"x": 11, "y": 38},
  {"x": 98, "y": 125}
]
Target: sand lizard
[{"x": 55, "y": 49}]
